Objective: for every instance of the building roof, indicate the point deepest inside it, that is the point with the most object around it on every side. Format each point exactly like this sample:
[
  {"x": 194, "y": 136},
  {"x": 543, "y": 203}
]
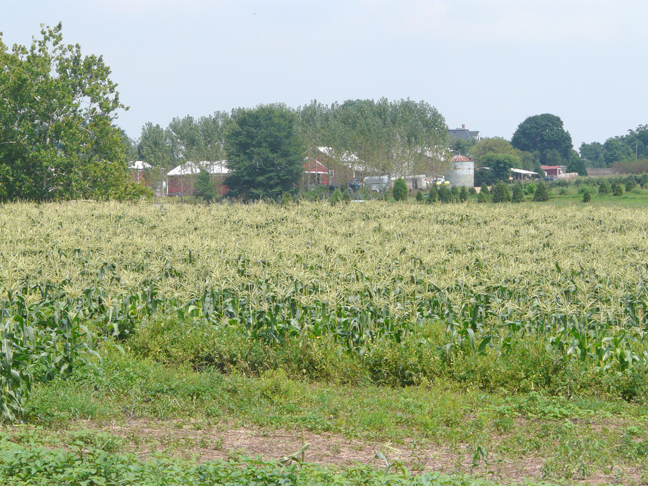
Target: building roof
[
  {"x": 188, "y": 168},
  {"x": 464, "y": 134},
  {"x": 461, "y": 158},
  {"x": 347, "y": 158},
  {"x": 139, "y": 165},
  {"x": 523, "y": 172},
  {"x": 314, "y": 167},
  {"x": 544, "y": 167}
]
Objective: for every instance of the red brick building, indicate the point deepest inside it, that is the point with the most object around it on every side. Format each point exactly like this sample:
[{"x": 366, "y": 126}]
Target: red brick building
[{"x": 180, "y": 181}]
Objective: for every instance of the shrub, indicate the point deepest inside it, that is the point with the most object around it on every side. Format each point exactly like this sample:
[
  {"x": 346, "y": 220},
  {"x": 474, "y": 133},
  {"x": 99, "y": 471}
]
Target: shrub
[
  {"x": 346, "y": 197},
  {"x": 604, "y": 188},
  {"x": 482, "y": 197},
  {"x": 472, "y": 191},
  {"x": 400, "y": 190},
  {"x": 644, "y": 179},
  {"x": 463, "y": 195},
  {"x": 630, "y": 184},
  {"x": 433, "y": 195},
  {"x": 455, "y": 193},
  {"x": 484, "y": 189},
  {"x": 530, "y": 188},
  {"x": 419, "y": 196},
  {"x": 518, "y": 193},
  {"x": 501, "y": 193},
  {"x": 445, "y": 196},
  {"x": 541, "y": 194},
  {"x": 586, "y": 196},
  {"x": 336, "y": 197},
  {"x": 286, "y": 199},
  {"x": 618, "y": 189}
]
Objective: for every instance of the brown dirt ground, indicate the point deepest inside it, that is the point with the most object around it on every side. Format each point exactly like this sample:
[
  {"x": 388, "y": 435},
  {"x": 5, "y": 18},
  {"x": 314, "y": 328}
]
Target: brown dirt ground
[{"x": 225, "y": 441}]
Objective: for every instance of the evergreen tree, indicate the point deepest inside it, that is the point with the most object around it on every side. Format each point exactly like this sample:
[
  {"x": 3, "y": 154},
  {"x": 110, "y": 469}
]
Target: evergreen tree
[
  {"x": 336, "y": 197},
  {"x": 346, "y": 197},
  {"x": 463, "y": 195},
  {"x": 419, "y": 196},
  {"x": 644, "y": 179},
  {"x": 630, "y": 184},
  {"x": 484, "y": 189},
  {"x": 501, "y": 193},
  {"x": 482, "y": 197},
  {"x": 518, "y": 193},
  {"x": 542, "y": 193},
  {"x": 203, "y": 186},
  {"x": 455, "y": 194},
  {"x": 618, "y": 189},
  {"x": 400, "y": 190},
  {"x": 604, "y": 188},
  {"x": 445, "y": 196},
  {"x": 433, "y": 195},
  {"x": 586, "y": 196}
]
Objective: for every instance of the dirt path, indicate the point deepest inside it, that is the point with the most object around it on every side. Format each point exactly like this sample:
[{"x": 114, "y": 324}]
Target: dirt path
[{"x": 147, "y": 437}]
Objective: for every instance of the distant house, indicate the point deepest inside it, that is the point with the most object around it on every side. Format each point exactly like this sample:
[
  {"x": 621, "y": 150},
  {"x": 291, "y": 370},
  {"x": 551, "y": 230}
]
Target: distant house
[
  {"x": 464, "y": 134},
  {"x": 180, "y": 181},
  {"x": 137, "y": 170},
  {"x": 558, "y": 172},
  {"x": 552, "y": 170},
  {"x": 523, "y": 175},
  {"x": 315, "y": 173},
  {"x": 348, "y": 167}
]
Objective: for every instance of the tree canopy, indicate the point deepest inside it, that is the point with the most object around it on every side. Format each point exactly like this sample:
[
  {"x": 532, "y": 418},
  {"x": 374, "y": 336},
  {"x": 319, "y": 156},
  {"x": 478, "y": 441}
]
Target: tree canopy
[
  {"x": 264, "y": 152},
  {"x": 631, "y": 146},
  {"x": 57, "y": 138},
  {"x": 542, "y": 134}
]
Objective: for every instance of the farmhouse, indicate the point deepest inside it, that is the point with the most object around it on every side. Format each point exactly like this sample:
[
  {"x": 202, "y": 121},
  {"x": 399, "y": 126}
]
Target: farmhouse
[
  {"x": 464, "y": 134},
  {"x": 137, "y": 170},
  {"x": 315, "y": 173},
  {"x": 180, "y": 181}
]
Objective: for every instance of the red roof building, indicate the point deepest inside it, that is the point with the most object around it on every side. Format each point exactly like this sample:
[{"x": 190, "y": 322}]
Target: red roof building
[{"x": 552, "y": 170}]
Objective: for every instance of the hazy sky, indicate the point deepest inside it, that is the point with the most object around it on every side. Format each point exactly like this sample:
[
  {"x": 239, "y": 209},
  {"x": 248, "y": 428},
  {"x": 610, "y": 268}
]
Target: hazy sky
[{"x": 487, "y": 64}]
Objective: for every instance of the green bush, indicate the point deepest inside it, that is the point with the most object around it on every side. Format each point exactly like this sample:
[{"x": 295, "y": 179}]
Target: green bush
[
  {"x": 419, "y": 197},
  {"x": 644, "y": 179},
  {"x": 617, "y": 190},
  {"x": 400, "y": 190},
  {"x": 484, "y": 189},
  {"x": 630, "y": 184},
  {"x": 501, "y": 193},
  {"x": 346, "y": 197},
  {"x": 518, "y": 193},
  {"x": 482, "y": 197},
  {"x": 445, "y": 196},
  {"x": 286, "y": 199},
  {"x": 463, "y": 195},
  {"x": 530, "y": 188},
  {"x": 604, "y": 188},
  {"x": 336, "y": 197},
  {"x": 472, "y": 191},
  {"x": 586, "y": 197},
  {"x": 433, "y": 195},
  {"x": 542, "y": 193}
]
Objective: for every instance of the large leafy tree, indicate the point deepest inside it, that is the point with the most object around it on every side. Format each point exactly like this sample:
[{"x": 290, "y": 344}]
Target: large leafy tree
[
  {"x": 541, "y": 134},
  {"x": 57, "y": 138},
  {"x": 264, "y": 152},
  {"x": 500, "y": 165}
]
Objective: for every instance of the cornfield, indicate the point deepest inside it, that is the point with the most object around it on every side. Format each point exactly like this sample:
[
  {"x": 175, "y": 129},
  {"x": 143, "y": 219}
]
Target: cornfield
[{"x": 72, "y": 273}]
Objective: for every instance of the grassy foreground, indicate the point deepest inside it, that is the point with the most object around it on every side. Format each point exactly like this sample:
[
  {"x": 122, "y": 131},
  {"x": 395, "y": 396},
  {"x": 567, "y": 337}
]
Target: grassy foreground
[{"x": 496, "y": 342}]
